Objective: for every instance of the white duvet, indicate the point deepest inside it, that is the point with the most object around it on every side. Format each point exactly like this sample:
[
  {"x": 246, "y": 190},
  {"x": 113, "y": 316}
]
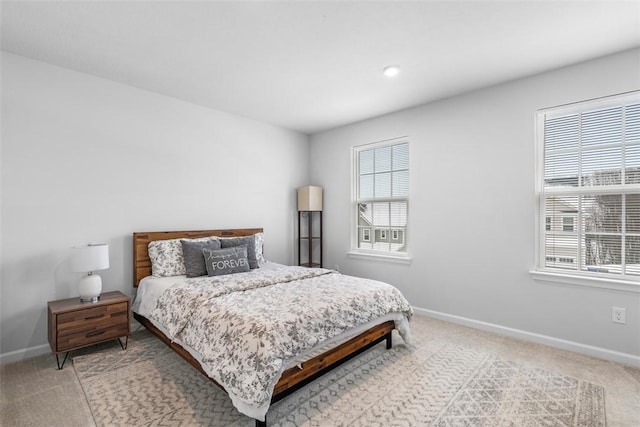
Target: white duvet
[{"x": 247, "y": 328}]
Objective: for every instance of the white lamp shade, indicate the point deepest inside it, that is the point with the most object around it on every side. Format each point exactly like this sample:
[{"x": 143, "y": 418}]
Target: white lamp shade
[
  {"x": 91, "y": 257},
  {"x": 310, "y": 198}
]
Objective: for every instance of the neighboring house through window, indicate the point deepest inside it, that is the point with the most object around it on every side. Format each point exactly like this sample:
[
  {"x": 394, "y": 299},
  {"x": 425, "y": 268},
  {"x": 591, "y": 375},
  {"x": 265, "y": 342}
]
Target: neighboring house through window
[
  {"x": 588, "y": 188},
  {"x": 567, "y": 223},
  {"x": 381, "y": 177}
]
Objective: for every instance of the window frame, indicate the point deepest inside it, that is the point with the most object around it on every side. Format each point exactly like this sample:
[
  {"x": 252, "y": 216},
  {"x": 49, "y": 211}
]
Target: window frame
[
  {"x": 364, "y": 253},
  {"x": 575, "y": 277}
]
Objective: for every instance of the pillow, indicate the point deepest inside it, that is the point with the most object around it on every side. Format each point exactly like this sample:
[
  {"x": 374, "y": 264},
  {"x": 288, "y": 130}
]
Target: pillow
[
  {"x": 249, "y": 242},
  {"x": 259, "y": 248},
  {"x": 226, "y": 261},
  {"x": 166, "y": 257},
  {"x": 193, "y": 258}
]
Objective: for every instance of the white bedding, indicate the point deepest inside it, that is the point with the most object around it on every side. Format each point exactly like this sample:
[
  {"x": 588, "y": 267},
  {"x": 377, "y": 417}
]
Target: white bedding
[
  {"x": 153, "y": 292},
  {"x": 151, "y": 287}
]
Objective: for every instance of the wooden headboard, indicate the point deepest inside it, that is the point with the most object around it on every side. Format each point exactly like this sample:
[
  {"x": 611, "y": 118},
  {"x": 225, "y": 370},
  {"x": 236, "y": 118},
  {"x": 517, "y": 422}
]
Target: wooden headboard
[{"x": 141, "y": 261}]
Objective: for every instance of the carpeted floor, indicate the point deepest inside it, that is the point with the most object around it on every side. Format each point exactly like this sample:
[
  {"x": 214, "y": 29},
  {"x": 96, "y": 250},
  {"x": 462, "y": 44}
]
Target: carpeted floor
[{"x": 437, "y": 383}]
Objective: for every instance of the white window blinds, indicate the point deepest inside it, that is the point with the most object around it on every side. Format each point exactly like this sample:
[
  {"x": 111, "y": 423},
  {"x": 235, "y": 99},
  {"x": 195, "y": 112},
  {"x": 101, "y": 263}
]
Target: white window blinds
[
  {"x": 588, "y": 191},
  {"x": 381, "y": 174}
]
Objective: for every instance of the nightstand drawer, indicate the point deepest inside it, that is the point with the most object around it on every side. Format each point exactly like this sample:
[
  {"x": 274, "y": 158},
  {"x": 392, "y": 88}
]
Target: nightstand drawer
[
  {"x": 74, "y": 324},
  {"x": 86, "y": 336},
  {"x": 92, "y": 317}
]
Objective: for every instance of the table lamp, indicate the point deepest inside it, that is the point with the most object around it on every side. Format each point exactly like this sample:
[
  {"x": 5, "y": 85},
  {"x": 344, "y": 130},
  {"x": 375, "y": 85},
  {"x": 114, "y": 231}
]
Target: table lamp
[{"x": 87, "y": 259}]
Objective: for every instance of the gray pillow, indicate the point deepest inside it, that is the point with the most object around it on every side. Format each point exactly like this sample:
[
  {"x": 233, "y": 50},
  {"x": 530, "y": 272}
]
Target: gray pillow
[
  {"x": 193, "y": 259},
  {"x": 226, "y": 261},
  {"x": 249, "y": 242}
]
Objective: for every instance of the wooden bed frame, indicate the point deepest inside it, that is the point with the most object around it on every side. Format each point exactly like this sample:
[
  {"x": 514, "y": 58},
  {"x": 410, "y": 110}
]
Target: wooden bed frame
[{"x": 292, "y": 379}]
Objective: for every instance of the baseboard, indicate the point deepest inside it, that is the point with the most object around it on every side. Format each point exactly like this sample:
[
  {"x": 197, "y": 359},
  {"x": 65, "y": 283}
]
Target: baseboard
[
  {"x": 24, "y": 353},
  {"x": 602, "y": 353}
]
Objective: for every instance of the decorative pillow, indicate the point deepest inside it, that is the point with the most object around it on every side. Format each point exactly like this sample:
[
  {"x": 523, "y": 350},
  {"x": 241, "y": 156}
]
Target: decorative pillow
[
  {"x": 249, "y": 242},
  {"x": 193, "y": 258},
  {"x": 166, "y": 257},
  {"x": 259, "y": 247},
  {"x": 226, "y": 261}
]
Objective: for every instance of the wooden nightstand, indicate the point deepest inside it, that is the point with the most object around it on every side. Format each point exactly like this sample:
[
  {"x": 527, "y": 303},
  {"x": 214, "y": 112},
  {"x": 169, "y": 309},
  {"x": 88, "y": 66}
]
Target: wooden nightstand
[{"x": 74, "y": 324}]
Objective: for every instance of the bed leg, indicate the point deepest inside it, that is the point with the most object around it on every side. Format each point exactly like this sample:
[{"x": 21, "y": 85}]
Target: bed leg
[
  {"x": 261, "y": 423},
  {"x": 389, "y": 341}
]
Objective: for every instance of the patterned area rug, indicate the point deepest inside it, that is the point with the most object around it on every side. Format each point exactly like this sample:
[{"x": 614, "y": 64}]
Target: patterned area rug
[{"x": 434, "y": 384}]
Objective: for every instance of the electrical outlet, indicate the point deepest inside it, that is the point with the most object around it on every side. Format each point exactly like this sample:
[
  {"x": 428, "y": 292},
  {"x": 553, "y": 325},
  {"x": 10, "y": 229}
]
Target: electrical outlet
[
  {"x": 336, "y": 268},
  {"x": 619, "y": 315}
]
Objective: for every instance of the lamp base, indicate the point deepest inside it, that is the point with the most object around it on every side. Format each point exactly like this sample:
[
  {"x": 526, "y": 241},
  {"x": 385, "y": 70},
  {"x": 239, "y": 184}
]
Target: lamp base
[{"x": 90, "y": 287}]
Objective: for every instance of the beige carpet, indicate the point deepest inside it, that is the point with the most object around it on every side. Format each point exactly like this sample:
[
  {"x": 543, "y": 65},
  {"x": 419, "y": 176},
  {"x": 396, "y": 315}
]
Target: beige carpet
[{"x": 434, "y": 384}]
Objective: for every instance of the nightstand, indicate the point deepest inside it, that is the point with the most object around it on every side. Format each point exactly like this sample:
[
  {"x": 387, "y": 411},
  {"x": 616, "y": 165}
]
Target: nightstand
[{"x": 74, "y": 324}]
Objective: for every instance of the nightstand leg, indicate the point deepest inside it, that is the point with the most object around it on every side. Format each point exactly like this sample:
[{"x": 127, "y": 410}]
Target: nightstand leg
[
  {"x": 126, "y": 342},
  {"x": 64, "y": 360}
]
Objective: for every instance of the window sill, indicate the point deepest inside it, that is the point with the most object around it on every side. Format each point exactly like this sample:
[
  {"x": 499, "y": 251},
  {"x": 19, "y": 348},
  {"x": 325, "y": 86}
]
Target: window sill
[
  {"x": 380, "y": 257},
  {"x": 594, "y": 282}
]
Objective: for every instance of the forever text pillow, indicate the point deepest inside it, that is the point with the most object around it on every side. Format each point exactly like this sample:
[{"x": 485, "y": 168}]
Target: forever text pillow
[{"x": 226, "y": 261}]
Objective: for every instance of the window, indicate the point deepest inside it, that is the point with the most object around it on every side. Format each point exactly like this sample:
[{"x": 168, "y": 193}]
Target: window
[
  {"x": 589, "y": 181},
  {"x": 567, "y": 224},
  {"x": 381, "y": 177}
]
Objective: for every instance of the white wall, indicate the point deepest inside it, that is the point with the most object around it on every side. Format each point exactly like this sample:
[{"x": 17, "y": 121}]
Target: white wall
[
  {"x": 86, "y": 159},
  {"x": 472, "y": 208}
]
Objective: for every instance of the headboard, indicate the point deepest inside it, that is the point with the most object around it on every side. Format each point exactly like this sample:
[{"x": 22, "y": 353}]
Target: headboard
[{"x": 141, "y": 261}]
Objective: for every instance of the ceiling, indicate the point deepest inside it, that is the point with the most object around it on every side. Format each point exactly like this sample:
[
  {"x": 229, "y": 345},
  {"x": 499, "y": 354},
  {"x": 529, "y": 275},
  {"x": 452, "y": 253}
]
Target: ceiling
[{"x": 312, "y": 66}]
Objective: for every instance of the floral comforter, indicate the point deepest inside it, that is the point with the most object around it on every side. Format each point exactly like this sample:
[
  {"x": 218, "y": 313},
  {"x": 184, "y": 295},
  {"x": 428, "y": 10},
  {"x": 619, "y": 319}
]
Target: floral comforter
[{"x": 247, "y": 326}]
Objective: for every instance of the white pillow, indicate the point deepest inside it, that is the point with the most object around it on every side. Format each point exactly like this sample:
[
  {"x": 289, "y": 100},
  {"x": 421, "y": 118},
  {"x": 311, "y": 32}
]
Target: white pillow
[{"x": 259, "y": 243}]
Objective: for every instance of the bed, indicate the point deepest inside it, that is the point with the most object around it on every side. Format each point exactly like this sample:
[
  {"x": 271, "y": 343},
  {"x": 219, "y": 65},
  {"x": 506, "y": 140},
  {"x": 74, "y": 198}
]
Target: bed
[{"x": 200, "y": 299}]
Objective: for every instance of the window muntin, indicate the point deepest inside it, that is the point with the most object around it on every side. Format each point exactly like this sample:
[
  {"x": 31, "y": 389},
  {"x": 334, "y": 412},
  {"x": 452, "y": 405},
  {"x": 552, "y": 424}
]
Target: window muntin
[
  {"x": 589, "y": 188},
  {"x": 381, "y": 174}
]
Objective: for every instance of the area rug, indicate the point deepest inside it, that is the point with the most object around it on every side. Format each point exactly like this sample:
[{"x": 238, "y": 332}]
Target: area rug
[{"x": 432, "y": 384}]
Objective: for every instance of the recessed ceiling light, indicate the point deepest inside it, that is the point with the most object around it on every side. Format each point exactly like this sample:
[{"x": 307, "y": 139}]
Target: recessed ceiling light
[{"x": 391, "y": 71}]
